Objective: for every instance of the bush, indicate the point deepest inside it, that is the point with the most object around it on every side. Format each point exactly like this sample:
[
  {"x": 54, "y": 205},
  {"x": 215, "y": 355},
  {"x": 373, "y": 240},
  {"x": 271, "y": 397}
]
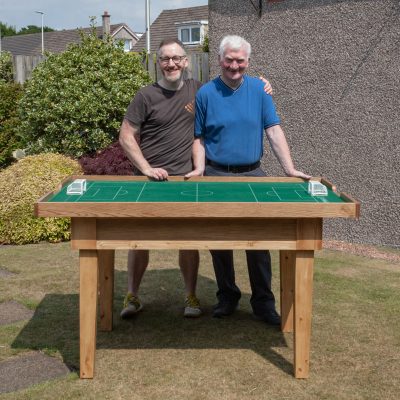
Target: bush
[
  {"x": 75, "y": 101},
  {"x": 10, "y": 138},
  {"x": 10, "y": 93},
  {"x": 21, "y": 185},
  {"x": 110, "y": 161},
  {"x": 6, "y": 67}
]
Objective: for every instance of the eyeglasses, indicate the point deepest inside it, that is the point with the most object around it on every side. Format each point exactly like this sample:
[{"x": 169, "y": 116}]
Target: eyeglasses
[{"x": 175, "y": 59}]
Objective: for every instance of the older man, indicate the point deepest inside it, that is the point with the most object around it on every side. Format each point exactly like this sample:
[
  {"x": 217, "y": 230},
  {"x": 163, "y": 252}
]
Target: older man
[{"x": 232, "y": 113}]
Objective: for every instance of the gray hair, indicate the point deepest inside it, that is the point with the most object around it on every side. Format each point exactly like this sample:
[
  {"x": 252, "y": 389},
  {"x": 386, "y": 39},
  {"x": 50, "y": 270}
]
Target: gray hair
[{"x": 234, "y": 42}]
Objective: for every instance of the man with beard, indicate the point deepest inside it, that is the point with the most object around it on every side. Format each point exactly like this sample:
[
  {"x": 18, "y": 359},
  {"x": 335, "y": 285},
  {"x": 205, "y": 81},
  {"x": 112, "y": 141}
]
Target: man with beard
[{"x": 157, "y": 136}]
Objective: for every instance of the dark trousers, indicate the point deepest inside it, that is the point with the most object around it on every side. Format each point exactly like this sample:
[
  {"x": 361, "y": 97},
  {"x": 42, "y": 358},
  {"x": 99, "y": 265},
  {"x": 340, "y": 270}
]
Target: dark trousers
[{"x": 258, "y": 265}]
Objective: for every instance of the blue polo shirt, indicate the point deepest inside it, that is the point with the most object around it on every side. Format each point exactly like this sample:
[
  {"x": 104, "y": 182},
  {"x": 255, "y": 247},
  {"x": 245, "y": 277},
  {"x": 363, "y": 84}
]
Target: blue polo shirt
[{"x": 232, "y": 122}]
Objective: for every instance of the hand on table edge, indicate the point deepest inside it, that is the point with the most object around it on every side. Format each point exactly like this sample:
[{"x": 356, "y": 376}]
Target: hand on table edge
[
  {"x": 195, "y": 172},
  {"x": 158, "y": 174},
  {"x": 298, "y": 174}
]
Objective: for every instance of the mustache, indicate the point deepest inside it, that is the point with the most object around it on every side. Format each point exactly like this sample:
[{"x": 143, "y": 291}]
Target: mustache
[
  {"x": 233, "y": 70},
  {"x": 228, "y": 68}
]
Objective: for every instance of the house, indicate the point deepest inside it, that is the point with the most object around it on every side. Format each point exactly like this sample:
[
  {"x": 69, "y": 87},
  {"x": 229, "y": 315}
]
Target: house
[
  {"x": 334, "y": 67},
  {"x": 57, "y": 41},
  {"x": 190, "y": 25}
]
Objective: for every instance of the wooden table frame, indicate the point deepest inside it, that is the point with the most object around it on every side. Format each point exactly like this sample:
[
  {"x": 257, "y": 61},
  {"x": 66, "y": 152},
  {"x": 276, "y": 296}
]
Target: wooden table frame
[{"x": 98, "y": 229}]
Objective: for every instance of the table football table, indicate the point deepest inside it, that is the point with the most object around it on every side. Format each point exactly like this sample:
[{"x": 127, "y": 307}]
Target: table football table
[{"x": 127, "y": 212}]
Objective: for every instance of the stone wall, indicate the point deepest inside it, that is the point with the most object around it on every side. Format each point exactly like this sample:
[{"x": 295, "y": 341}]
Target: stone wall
[{"x": 335, "y": 69}]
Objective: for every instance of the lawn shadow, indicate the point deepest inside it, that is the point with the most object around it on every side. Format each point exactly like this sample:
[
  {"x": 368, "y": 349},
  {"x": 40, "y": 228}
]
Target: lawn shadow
[
  {"x": 53, "y": 327},
  {"x": 55, "y": 324}
]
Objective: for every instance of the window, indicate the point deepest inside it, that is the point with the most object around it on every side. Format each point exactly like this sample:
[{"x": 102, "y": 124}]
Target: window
[
  {"x": 192, "y": 32},
  {"x": 127, "y": 44},
  {"x": 195, "y": 34},
  {"x": 185, "y": 35}
]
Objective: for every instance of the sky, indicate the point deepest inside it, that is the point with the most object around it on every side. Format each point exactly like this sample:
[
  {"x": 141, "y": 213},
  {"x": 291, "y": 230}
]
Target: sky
[{"x": 71, "y": 14}]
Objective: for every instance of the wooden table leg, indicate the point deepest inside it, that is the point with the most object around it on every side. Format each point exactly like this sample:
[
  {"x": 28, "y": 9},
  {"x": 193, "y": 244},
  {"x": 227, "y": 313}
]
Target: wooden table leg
[
  {"x": 88, "y": 266},
  {"x": 106, "y": 289},
  {"x": 287, "y": 275},
  {"x": 302, "y": 312}
]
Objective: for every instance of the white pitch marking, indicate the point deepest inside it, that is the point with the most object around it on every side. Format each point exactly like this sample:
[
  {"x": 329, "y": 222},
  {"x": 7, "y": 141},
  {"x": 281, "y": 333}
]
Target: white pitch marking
[
  {"x": 276, "y": 193},
  {"x": 253, "y": 192},
  {"x": 116, "y": 194},
  {"x": 299, "y": 194},
  {"x": 76, "y": 198},
  {"x": 141, "y": 192},
  {"x": 304, "y": 198},
  {"x": 89, "y": 187},
  {"x": 94, "y": 194}
]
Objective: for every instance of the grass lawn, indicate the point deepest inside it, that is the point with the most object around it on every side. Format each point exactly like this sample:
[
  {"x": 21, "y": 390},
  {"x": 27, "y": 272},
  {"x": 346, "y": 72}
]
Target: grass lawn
[{"x": 355, "y": 347}]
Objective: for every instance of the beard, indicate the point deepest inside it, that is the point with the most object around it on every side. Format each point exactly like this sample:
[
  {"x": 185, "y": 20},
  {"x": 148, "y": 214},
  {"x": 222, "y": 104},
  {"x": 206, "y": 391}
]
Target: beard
[{"x": 176, "y": 76}]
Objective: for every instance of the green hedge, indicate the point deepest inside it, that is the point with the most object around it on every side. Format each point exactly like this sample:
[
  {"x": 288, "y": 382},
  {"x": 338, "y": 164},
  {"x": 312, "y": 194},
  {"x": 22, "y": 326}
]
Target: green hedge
[
  {"x": 10, "y": 138},
  {"x": 6, "y": 67},
  {"x": 75, "y": 101}
]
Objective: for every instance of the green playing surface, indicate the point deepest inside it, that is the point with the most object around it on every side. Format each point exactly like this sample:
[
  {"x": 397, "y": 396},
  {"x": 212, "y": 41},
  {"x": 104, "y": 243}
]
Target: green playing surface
[{"x": 166, "y": 191}]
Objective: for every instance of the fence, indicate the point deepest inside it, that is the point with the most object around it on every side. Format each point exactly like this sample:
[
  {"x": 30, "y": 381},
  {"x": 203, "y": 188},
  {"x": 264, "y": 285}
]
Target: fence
[
  {"x": 24, "y": 65},
  {"x": 198, "y": 67}
]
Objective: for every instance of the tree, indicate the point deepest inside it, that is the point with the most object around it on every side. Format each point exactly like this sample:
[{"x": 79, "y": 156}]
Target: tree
[
  {"x": 7, "y": 30},
  {"x": 75, "y": 101},
  {"x": 34, "y": 29}
]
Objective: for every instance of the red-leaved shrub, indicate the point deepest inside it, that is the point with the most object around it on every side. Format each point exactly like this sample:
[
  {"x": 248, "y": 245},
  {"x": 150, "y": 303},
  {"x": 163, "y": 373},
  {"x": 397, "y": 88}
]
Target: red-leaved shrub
[{"x": 110, "y": 161}]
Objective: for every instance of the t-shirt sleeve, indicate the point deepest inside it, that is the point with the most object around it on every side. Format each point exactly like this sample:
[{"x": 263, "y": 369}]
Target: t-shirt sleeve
[
  {"x": 270, "y": 117},
  {"x": 199, "y": 122},
  {"x": 138, "y": 110}
]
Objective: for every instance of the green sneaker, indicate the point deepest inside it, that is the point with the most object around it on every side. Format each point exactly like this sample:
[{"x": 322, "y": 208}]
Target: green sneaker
[
  {"x": 132, "y": 305},
  {"x": 192, "y": 307}
]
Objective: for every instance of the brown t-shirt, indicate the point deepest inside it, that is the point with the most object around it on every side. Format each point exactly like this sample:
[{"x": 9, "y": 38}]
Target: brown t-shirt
[{"x": 166, "y": 121}]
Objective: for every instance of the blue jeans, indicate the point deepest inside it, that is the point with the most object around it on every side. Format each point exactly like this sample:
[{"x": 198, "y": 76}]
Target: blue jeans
[{"x": 258, "y": 265}]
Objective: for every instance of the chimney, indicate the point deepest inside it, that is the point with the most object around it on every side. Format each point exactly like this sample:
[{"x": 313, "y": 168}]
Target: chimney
[{"x": 106, "y": 23}]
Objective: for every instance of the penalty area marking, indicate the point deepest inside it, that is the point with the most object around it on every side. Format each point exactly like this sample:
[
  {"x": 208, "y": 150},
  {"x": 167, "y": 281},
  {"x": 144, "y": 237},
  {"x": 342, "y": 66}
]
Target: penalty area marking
[
  {"x": 274, "y": 193},
  {"x": 118, "y": 192}
]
